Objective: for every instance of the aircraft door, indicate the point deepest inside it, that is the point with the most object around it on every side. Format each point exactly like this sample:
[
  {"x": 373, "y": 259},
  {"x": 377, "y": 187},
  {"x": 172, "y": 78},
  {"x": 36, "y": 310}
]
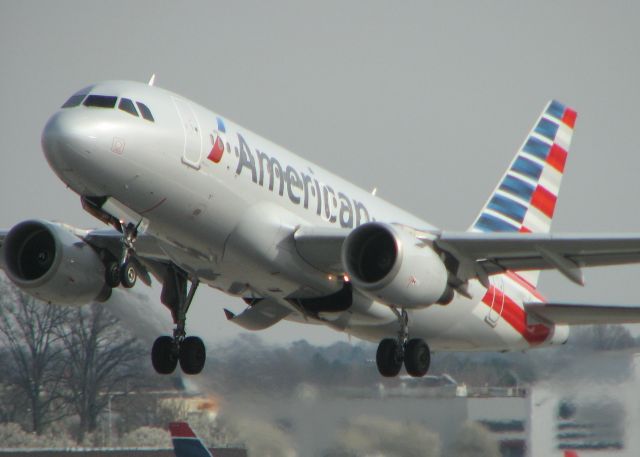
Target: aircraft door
[
  {"x": 497, "y": 301},
  {"x": 192, "y": 153}
]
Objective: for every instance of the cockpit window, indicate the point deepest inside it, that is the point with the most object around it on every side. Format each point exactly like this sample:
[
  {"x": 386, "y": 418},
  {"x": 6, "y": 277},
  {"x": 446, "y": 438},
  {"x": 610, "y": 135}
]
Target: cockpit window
[
  {"x": 146, "y": 113},
  {"x": 128, "y": 106},
  {"x": 101, "y": 101},
  {"x": 74, "y": 100}
]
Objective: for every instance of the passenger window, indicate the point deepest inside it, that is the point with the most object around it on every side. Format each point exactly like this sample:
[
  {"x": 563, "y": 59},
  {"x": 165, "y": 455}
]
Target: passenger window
[
  {"x": 101, "y": 101},
  {"x": 128, "y": 106},
  {"x": 145, "y": 112},
  {"x": 74, "y": 100}
]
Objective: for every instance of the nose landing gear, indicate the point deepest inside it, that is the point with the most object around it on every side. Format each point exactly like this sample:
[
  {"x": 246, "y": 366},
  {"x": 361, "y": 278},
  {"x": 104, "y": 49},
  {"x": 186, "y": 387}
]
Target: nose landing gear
[
  {"x": 167, "y": 351},
  {"x": 392, "y": 352}
]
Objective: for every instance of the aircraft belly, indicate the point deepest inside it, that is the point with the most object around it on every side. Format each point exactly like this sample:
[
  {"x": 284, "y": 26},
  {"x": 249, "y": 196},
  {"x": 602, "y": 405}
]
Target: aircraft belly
[{"x": 461, "y": 325}]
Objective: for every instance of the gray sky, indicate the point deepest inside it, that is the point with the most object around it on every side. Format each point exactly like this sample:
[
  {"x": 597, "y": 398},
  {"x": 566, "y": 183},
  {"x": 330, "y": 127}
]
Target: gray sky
[{"x": 428, "y": 101}]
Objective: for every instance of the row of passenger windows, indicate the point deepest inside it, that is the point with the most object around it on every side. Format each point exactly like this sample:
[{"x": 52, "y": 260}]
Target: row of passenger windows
[{"x": 109, "y": 101}]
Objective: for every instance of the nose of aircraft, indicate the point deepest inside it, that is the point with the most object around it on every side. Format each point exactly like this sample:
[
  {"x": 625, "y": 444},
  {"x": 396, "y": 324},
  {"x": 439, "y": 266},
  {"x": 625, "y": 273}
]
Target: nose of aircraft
[{"x": 66, "y": 136}]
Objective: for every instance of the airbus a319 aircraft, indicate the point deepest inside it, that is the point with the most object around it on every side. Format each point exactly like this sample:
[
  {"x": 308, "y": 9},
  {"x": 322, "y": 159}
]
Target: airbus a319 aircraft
[{"x": 192, "y": 197}]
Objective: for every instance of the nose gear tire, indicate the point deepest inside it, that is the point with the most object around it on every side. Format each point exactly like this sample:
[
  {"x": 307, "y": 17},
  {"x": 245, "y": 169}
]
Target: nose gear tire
[
  {"x": 128, "y": 275},
  {"x": 112, "y": 274}
]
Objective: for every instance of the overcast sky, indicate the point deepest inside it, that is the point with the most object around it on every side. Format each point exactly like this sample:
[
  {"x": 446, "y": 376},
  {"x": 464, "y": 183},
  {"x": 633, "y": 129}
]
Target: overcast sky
[{"x": 428, "y": 101}]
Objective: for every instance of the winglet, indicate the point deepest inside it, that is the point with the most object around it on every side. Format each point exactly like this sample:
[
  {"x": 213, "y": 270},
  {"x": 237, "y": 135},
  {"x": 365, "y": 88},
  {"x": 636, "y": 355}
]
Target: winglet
[{"x": 185, "y": 441}]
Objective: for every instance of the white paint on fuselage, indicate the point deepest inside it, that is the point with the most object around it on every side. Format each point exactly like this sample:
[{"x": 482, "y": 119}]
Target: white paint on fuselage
[{"x": 220, "y": 221}]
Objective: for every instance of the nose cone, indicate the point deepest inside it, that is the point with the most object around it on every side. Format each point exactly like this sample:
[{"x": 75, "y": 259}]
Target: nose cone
[
  {"x": 70, "y": 145},
  {"x": 65, "y": 136}
]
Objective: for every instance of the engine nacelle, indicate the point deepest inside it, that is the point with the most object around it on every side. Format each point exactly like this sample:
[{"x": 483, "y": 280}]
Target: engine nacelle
[
  {"x": 50, "y": 262},
  {"x": 391, "y": 265}
]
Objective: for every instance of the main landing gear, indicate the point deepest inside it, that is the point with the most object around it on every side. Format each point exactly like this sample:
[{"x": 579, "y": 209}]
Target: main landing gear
[
  {"x": 167, "y": 351},
  {"x": 392, "y": 352}
]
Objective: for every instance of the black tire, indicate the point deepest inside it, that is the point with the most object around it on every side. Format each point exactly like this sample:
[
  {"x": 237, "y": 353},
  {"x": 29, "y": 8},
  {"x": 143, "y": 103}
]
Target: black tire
[
  {"x": 389, "y": 357},
  {"x": 112, "y": 274},
  {"x": 417, "y": 357},
  {"x": 192, "y": 355},
  {"x": 128, "y": 275},
  {"x": 164, "y": 357}
]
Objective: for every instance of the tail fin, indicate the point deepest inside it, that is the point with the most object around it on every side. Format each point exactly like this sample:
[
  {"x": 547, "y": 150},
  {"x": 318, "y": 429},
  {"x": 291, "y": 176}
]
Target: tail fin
[
  {"x": 525, "y": 198},
  {"x": 185, "y": 441}
]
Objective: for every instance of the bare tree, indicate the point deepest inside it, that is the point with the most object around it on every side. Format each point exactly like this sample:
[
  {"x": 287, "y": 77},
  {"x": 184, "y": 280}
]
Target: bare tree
[
  {"x": 103, "y": 362},
  {"x": 35, "y": 353}
]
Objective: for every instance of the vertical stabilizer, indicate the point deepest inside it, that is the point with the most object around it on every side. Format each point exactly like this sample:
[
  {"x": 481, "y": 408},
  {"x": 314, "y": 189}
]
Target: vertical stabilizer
[
  {"x": 185, "y": 441},
  {"x": 526, "y": 196}
]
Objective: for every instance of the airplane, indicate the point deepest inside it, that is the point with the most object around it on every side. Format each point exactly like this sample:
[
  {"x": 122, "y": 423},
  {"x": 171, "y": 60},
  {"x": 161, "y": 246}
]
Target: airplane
[
  {"x": 191, "y": 197},
  {"x": 185, "y": 442}
]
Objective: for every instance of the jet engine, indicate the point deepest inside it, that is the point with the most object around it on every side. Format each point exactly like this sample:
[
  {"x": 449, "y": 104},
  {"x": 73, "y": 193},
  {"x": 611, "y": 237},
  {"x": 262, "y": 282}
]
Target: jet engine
[
  {"x": 53, "y": 264},
  {"x": 391, "y": 265}
]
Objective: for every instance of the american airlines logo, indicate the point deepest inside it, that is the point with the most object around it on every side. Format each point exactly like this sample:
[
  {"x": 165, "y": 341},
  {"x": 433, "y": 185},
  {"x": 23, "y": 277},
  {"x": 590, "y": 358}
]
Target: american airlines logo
[{"x": 301, "y": 188}]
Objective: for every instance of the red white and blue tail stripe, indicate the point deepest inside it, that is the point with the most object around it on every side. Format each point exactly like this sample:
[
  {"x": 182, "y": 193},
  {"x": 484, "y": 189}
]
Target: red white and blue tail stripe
[
  {"x": 185, "y": 441},
  {"x": 525, "y": 199}
]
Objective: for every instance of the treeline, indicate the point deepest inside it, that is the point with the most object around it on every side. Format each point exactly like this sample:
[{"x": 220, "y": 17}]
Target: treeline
[{"x": 78, "y": 376}]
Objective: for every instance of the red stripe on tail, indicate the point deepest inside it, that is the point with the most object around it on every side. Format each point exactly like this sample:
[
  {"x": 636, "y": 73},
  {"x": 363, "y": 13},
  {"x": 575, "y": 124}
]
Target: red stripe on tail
[
  {"x": 544, "y": 200},
  {"x": 557, "y": 158},
  {"x": 569, "y": 117},
  {"x": 181, "y": 430}
]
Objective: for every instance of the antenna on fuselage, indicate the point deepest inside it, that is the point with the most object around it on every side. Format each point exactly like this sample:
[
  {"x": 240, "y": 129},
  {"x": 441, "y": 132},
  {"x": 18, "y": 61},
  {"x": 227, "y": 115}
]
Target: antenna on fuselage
[
  {"x": 152, "y": 80},
  {"x": 374, "y": 191}
]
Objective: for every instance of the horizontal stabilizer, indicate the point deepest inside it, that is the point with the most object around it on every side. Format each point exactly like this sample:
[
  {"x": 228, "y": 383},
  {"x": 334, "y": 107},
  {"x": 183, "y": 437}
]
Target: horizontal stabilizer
[
  {"x": 260, "y": 316},
  {"x": 584, "y": 314}
]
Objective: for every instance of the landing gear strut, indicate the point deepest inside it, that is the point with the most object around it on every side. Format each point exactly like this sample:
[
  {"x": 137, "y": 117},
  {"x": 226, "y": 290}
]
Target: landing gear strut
[
  {"x": 123, "y": 272},
  {"x": 167, "y": 351},
  {"x": 392, "y": 352},
  {"x": 127, "y": 270}
]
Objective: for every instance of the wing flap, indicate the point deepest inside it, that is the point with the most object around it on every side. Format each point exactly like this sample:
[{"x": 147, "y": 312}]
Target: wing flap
[
  {"x": 262, "y": 315},
  {"x": 584, "y": 314}
]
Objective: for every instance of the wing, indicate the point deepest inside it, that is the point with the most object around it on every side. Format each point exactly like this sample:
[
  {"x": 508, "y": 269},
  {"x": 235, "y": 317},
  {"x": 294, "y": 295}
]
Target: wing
[
  {"x": 321, "y": 247},
  {"x": 568, "y": 253},
  {"x": 583, "y": 314},
  {"x": 483, "y": 254}
]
